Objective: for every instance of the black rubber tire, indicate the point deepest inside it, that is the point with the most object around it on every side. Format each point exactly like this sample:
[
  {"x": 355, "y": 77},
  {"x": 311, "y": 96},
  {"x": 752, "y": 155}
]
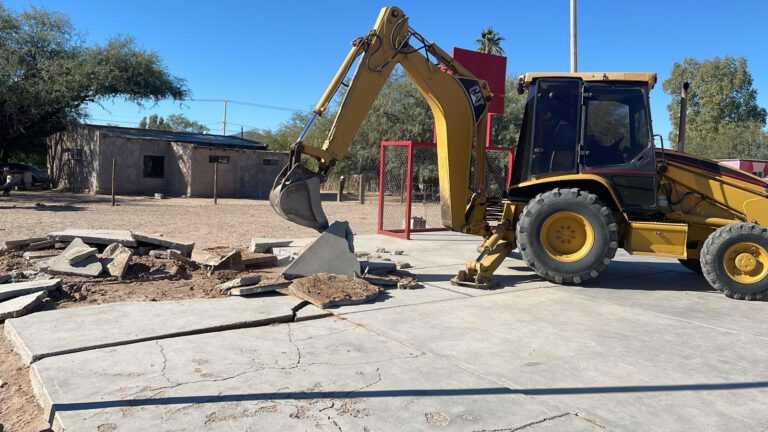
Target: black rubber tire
[
  {"x": 712, "y": 260},
  {"x": 588, "y": 205},
  {"x": 693, "y": 265}
]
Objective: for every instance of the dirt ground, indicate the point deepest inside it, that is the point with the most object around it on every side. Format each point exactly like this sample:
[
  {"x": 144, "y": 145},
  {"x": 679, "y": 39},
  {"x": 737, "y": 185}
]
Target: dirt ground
[{"x": 231, "y": 223}]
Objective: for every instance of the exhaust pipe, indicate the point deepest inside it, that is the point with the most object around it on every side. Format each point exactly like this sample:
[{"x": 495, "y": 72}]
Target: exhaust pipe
[{"x": 683, "y": 112}]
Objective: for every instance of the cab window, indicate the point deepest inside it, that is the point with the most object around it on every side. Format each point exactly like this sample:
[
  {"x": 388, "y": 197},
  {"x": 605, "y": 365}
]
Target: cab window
[{"x": 616, "y": 125}]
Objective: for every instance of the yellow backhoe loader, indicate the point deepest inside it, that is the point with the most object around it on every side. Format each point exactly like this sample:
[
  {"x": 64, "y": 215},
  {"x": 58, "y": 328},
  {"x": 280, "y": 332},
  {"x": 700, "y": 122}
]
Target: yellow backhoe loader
[{"x": 587, "y": 178}]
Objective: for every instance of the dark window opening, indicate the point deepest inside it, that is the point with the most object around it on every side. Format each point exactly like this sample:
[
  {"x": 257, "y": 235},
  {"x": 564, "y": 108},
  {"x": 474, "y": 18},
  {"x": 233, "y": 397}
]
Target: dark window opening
[
  {"x": 218, "y": 159},
  {"x": 154, "y": 166},
  {"x": 271, "y": 162}
]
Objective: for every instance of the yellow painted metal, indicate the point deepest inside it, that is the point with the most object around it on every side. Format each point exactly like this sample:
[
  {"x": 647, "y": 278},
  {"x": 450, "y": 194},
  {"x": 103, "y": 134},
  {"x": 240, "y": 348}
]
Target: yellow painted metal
[
  {"x": 455, "y": 122},
  {"x": 567, "y": 180},
  {"x": 646, "y": 77},
  {"x": 567, "y": 236},
  {"x": 710, "y": 195},
  {"x": 494, "y": 250},
  {"x": 746, "y": 262},
  {"x": 657, "y": 239}
]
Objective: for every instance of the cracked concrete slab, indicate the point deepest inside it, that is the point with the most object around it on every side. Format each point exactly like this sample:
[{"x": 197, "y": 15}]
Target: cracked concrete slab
[
  {"x": 600, "y": 358},
  {"x": 95, "y": 236},
  {"x": 325, "y": 375},
  {"x": 63, "y": 331}
]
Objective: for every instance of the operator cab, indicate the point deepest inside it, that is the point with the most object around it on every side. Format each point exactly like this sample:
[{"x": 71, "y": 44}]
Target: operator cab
[{"x": 590, "y": 123}]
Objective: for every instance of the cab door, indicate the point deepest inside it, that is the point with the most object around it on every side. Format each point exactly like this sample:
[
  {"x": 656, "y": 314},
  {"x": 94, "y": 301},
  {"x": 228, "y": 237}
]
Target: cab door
[
  {"x": 555, "y": 127},
  {"x": 617, "y": 143}
]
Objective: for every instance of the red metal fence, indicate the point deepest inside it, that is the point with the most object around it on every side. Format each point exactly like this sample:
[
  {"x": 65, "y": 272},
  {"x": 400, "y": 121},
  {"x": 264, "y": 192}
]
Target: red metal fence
[{"x": 409, "y": 190}]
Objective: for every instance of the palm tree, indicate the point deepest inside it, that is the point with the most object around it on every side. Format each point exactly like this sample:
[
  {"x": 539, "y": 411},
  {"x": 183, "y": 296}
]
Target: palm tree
[{"x": 490, "y": 42}]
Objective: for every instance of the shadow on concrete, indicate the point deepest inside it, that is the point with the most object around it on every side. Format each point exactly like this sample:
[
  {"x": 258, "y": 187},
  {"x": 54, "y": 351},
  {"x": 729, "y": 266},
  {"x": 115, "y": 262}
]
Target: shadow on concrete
[
  {"x": 44, "y": 207},
  {"x": 489, "y": 391},
  {"x": 503, "y": 281}
]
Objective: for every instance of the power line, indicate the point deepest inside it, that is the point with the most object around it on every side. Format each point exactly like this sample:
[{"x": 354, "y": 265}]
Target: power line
[{"x": 253, "y": 104}]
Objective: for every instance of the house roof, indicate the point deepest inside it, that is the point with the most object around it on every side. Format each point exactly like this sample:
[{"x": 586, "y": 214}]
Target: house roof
[{"x": 202, "y": 140}]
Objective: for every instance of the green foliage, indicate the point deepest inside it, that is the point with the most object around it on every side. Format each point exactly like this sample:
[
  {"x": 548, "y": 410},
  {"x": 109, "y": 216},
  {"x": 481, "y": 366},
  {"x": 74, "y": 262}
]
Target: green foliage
[
  {"x": 48, "y": 74},
  {"x": 721, "y": 104},
  {"x": 399, "y": 113},
  {"x": 489, "y": 42},
  {"x": 174, "y": 123},
  {"x": 505, "y": 128}
]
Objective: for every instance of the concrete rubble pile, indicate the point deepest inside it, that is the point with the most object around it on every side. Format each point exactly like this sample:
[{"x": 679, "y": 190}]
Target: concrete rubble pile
[{"x": 326, "y": 272}]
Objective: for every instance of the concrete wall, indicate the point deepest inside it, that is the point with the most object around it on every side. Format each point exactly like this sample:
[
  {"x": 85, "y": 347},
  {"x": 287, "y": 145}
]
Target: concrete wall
[
  {"x": 187, "y": 171},
  {"x": 69, "y": 170},
  {"x": 129, "y": 173},
  {"x": 244, "y": 176}
]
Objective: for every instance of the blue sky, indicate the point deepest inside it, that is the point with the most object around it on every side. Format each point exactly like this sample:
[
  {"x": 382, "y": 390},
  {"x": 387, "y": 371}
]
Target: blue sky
[{"x": 283, "y": 53}]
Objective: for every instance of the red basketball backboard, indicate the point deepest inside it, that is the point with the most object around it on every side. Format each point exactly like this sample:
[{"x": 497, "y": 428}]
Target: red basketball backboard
[{"x": 488, "y": 67}]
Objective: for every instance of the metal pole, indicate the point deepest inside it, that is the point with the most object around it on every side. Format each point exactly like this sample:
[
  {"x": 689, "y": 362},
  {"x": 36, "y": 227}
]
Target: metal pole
[
  {"x": 224, "y": 124},
  {"x": 113, "y": 182},
  {"x": 574, "y": 68},
  {"x": 362, "y": 189},
  {"x": 215, "y": 182},
  {"x": 340, "y": 196},
  {"x": 683, "y": 114}
]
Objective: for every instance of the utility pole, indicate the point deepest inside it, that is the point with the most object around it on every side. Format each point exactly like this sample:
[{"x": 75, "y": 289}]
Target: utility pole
[
  {"x": 224, "y": 124},
  {"x": 574, "y": 68}
]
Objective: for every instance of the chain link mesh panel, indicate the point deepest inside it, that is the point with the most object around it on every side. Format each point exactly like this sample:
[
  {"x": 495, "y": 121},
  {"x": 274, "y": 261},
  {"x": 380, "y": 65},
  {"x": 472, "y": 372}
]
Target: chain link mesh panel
[
  {"x": 425, "y": 185},
  {"x": 424, "y": 192},
  {"x": 393, "y": 185}
]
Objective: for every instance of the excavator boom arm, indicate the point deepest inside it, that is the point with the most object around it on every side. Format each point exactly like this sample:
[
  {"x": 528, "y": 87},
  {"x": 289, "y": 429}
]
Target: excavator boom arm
[{"x": 458, "y": 101}]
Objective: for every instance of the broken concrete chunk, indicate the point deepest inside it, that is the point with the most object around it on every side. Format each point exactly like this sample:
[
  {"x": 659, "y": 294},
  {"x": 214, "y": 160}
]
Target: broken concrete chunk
[
  {"x": 89, "y": 266},
  {"x": 255, "y": 259},
  {"x": 17, "y": 289},
  {"x": 408, "y": 283},
  {"x": 18, "y": 244},
  {"x": 331, "y": 253},
  {"x": 45, "y": 244},
  {"x": 104, "y": 237},
  {"x": 398, "y": 252},
  {"x": 309, "y": 312},
  {"x": 4, "y": 278},
  {"x": 160, "y": 254},
  {"x": 178, "y": 256},
  {"x": 115, "y": 259},
  {"x": 381, "y": 250},
  {"x": 382, "y": 281},
  {"x": 184, "y": 247},
  {"x": 377, "y": 267},
  {"x": 21, "y": 305},
  {"x": 402, "y": 265},
  {"x": 36, "y": 255},
  {"x": 262, "y": 244},
  {"x": 241, "y": 281},
  {"x": 78, "y": 251},
  {"x": 325, "y": 290},
  {"x": 258, "y": 289}
]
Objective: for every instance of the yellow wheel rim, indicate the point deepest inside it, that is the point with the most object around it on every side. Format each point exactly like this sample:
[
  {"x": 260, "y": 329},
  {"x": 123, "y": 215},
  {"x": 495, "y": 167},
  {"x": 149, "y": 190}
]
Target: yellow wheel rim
[
  {"x": 746, "y": 262},
  {"x": 567, "y": 236}
]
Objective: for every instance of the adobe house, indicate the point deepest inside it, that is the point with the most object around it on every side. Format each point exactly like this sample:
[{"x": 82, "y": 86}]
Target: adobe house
[{"x": 171, "y": 163}]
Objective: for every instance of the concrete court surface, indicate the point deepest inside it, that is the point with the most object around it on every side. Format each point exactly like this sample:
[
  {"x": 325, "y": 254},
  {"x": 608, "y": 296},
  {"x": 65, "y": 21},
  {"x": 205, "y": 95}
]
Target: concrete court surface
[{"x": 647, "y": 346}]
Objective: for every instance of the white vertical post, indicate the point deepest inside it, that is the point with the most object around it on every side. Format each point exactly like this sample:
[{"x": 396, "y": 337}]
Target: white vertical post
[{"x": 574, "y": 68}]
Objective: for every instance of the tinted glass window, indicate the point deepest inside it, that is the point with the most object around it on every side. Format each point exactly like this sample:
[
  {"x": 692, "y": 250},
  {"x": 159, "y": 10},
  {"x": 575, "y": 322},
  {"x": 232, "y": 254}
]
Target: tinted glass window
[
  {"x": 556, "y": 126},
  {"x": 616, "y": 129}
]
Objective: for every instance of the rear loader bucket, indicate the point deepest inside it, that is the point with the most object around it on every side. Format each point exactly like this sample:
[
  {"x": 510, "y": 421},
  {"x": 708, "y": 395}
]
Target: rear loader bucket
[{"x": 296, "y": 197}]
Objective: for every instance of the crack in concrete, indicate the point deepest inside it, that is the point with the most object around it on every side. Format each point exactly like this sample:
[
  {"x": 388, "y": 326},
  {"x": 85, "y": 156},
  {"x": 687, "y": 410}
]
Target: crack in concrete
[
  {"x": 527, "y": 425},
  {"x": 589, "y": 419},
  {"x": 165, "y": 362}
]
